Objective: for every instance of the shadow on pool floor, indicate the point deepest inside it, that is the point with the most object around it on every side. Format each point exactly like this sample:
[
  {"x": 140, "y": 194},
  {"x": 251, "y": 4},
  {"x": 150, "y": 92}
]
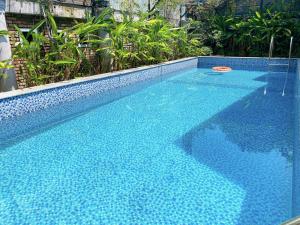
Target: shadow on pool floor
[{"x": 251, "y": 143}]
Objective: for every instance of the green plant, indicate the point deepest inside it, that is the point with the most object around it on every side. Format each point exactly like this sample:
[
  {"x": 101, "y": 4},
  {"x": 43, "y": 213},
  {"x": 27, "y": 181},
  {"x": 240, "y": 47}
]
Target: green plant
[
  {"x": 32, "y": 53},
  {"x": 4, "y": 66},
  {"x": 250, "y": 36},
  {"x": 147, "y": 40},
  {"x": 61, "y": 57},
  {"x": 133, "y": 42},
  {"x": 201, "y": 23}
]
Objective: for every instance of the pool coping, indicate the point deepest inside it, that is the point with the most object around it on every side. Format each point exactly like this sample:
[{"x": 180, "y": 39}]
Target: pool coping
[{"x": 40, "y": 88}]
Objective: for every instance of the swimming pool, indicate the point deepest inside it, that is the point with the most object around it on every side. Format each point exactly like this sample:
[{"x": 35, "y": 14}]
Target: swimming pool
[{"x": 191, "y": 147}]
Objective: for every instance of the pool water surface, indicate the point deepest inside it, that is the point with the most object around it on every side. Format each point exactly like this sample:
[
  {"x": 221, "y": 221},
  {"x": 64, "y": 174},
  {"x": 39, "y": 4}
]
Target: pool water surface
[{"x": 198, "y": 147}]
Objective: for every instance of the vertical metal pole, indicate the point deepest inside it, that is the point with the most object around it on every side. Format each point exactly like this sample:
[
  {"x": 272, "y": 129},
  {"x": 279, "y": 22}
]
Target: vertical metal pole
[
  {"x": 269, "y": 62},
  {"x": 288, "y": 68}
]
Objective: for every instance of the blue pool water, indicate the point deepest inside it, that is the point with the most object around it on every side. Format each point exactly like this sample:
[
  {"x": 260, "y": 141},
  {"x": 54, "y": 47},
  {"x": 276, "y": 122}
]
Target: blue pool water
[{"x": 195, "y": 148}]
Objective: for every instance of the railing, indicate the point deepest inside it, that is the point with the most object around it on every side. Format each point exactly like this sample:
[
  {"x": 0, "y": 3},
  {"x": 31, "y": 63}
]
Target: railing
[
  {"x": 272, "y": 64},
  {"x": 270, "y": 56},
  {"x": 289, "y": 65}
]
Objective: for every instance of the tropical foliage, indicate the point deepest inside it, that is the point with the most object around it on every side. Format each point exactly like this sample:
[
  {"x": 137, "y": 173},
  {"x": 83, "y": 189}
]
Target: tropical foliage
[
  {"x": 250, "y": 34},
  {"x": 86, "y": 47},
  {"x": 60, "y": 56}
]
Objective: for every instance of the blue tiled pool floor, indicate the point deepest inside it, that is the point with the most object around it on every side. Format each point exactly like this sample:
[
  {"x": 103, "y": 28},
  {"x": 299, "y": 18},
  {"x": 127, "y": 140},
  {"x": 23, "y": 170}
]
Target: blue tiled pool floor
[{"x": 196, "y": 148}]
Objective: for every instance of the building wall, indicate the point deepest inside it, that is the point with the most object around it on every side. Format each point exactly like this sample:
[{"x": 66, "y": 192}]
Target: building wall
[
  {"x": 117, "y": 4},
  {"x": 66, "y": 8},
  {"x": 170, "y": 13},
  {"x": 244, "y": 7}
]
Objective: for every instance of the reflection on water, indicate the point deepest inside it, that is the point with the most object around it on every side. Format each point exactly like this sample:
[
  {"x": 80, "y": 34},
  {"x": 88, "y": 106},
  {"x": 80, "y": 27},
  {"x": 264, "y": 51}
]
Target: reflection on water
[{"x": 213, "y": 73}]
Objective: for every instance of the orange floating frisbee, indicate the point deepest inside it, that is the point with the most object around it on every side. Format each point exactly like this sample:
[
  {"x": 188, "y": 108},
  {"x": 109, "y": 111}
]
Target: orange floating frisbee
[{"x": 222, "y": 69}]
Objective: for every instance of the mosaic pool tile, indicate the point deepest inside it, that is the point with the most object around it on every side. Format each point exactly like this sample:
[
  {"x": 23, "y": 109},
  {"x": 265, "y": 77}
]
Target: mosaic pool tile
[
  {"x": 19, "y": 105},
  {"x": 240, "y": 63}
]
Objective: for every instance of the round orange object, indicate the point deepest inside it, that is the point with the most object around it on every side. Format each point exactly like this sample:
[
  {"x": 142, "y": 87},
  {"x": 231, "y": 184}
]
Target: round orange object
[{"x": 222, "y": 68}]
